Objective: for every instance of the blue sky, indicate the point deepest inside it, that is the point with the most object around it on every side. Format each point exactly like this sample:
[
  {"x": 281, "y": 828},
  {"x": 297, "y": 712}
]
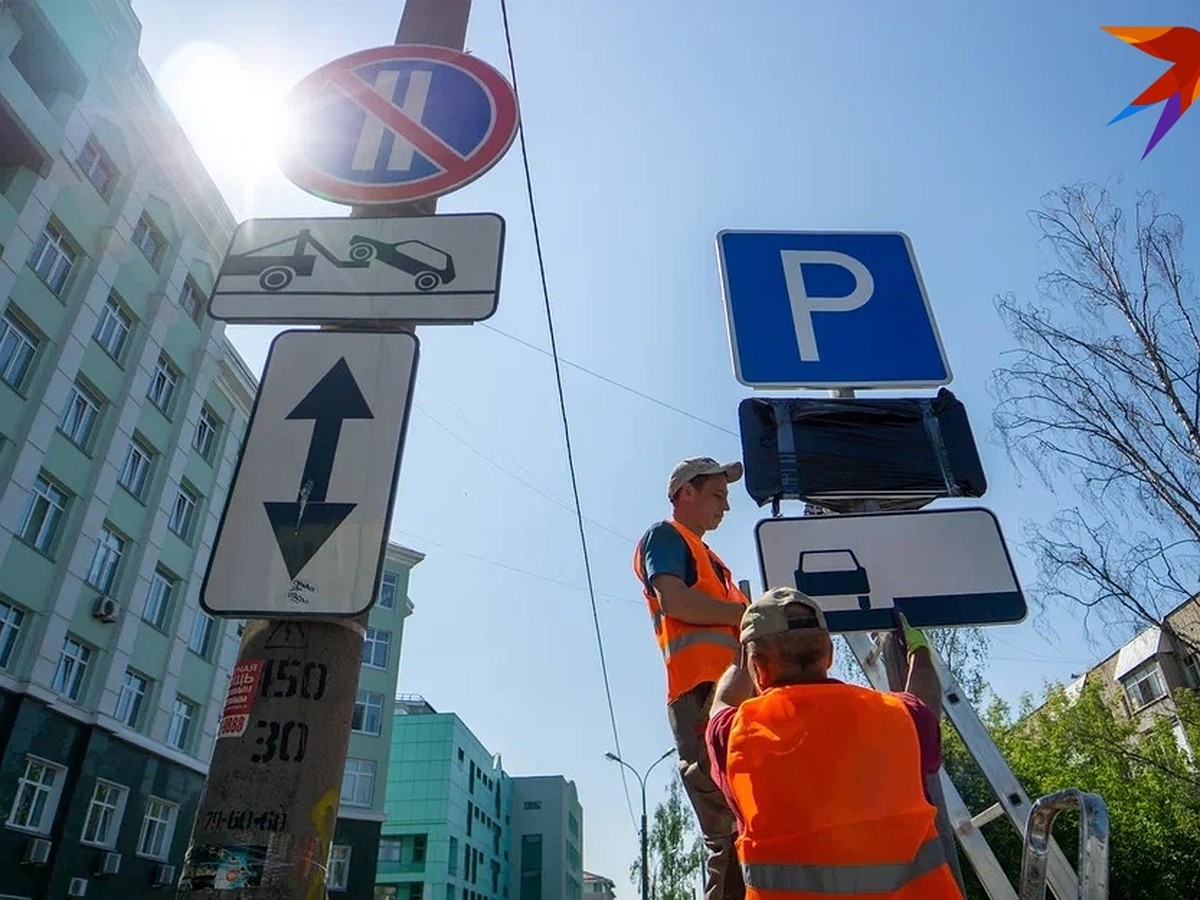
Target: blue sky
[{"x": 651, "y": 127}]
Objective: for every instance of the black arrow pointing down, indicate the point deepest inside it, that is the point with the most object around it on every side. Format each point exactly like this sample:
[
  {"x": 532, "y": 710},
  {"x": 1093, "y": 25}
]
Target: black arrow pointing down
[{"x": 302, "y": 528}]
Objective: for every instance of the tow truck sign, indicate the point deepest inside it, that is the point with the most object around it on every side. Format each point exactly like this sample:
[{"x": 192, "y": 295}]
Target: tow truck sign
[{"x": 423, "y": 269}]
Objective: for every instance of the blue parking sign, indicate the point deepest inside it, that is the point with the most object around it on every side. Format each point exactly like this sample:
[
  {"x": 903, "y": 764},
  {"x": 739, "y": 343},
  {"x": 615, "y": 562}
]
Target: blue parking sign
[{"x": 828, "y": 310}]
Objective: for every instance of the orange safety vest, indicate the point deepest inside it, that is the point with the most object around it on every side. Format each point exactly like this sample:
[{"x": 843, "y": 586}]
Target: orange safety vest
[
  {"x": 694, "y": 654},
  {"x": 827, "y": 778}
]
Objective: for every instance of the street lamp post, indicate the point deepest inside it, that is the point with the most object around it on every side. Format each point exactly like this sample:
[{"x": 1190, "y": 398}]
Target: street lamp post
[{"x": 645, "y": 833}]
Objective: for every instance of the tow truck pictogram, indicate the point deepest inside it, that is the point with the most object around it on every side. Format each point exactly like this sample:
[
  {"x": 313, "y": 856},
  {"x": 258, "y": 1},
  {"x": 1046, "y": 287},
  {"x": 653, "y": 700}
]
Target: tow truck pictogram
[{"x": 429, "y": 266}]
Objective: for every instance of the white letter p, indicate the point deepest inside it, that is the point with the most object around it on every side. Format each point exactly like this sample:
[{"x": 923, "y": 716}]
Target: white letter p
[{"x": 804, "y": 305}]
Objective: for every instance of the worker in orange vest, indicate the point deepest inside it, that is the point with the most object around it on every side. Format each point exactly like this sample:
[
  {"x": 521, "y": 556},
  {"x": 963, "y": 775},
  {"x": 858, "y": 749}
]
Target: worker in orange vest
[
  {"x": 826, "y": 778},
  {"x": 696, "y": 606}
]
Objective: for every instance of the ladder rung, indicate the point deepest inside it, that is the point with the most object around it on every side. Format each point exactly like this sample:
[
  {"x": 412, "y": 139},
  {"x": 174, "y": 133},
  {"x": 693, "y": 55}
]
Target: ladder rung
[{"x": 990, "y": 814}]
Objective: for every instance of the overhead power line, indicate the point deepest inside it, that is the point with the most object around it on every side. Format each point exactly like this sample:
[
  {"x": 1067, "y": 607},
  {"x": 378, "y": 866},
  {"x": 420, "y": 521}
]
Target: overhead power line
[{"x": 562, "y": 404}]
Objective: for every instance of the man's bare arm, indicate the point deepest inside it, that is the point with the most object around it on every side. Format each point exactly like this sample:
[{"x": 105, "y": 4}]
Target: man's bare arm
[
  {"x": 734, "y": 687},
  {"x": 692, "y": 606}
]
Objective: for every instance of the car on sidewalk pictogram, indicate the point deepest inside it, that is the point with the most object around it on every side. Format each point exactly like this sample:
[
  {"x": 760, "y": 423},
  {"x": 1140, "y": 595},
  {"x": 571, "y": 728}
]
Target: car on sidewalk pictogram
[{"x": 429, "y": 266}]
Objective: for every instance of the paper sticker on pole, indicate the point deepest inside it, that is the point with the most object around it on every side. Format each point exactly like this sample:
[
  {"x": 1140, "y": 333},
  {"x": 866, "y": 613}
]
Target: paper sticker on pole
[{"x": 397, "y": 123}]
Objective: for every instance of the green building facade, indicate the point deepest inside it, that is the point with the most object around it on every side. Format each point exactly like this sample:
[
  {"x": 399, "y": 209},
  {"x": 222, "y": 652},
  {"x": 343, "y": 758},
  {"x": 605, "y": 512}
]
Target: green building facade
[
  {"x": 460, "y": 828},
  {"x": 122, "y": 408},
  {"x": 448, "y": 810}
]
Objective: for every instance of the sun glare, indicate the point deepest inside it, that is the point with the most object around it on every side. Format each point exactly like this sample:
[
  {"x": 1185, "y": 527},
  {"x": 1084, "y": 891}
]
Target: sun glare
[{"x": 230, "y": 114}]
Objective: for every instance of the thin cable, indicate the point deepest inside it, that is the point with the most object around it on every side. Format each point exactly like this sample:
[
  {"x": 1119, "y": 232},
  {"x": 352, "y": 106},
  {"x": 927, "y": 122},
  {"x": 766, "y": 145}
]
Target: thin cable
[
  {"x": 655, "y": 400},
  {"x": 562, "y": 406},
  {"x": 514, "y": 476},
  {"x": 422, "y": 540}
]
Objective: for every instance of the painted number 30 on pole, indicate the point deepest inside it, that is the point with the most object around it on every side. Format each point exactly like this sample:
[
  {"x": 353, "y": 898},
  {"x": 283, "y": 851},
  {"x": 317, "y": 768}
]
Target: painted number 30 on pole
[{"x": 397, "y": 123}]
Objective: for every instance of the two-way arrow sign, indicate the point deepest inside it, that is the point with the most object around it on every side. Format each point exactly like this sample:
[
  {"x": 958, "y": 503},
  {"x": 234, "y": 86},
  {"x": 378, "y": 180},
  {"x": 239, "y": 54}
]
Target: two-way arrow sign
[{"x": 313, "y": 491}]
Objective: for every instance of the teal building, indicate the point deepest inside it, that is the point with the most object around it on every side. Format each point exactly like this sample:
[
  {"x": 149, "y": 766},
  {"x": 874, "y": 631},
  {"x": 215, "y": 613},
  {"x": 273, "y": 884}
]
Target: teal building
[
  {"x": 448, "y": 808},
  {"x": 459, "y": 827}
]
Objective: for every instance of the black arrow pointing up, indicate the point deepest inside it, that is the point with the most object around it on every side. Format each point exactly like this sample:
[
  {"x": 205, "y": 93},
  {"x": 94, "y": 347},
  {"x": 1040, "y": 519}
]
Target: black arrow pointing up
[{"x": 302, "y": 528}]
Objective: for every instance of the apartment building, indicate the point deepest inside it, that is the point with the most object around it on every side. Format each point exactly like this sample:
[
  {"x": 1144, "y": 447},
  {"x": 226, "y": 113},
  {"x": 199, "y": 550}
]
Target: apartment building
[
  {"x": 122, "y": 408},
  {"x": 597, "y": 887},
  {"x": 1141, "y": 678},
  {"x": 363, "y": 808}
]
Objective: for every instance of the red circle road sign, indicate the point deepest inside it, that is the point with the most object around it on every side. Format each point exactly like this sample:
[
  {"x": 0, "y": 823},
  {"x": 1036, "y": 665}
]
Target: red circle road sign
[{"x": 397, "y": 123}]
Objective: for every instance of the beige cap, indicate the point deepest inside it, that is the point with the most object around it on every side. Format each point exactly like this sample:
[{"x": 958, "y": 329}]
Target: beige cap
[
  {"x": 780, "y": 610},
  {"x": 697, "y": 466}
]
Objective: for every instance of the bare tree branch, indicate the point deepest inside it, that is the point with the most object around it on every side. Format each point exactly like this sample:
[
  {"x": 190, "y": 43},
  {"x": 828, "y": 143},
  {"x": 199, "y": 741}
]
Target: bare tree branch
[{"x": 1102, "y": 396}]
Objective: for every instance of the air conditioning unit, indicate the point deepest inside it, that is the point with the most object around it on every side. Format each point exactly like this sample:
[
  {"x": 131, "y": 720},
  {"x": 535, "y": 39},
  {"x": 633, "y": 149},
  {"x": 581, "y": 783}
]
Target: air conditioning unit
[
  {"x": 37, "y": 852},
  {"x": 110, "y": 864},
  {"x": 77, "y": 887},
  {"x": 105, "y": 609},
  {"x": 164, "y": 876}
]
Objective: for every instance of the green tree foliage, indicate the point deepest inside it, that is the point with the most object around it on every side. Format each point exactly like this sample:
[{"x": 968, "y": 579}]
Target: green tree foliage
[
  {"x": 676, "y": 850},
  {"x": 1151, "y": 786}
]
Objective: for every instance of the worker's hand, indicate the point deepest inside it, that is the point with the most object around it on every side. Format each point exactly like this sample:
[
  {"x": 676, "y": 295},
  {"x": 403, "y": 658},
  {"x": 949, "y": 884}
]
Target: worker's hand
[{"x": 914, "y": 638}]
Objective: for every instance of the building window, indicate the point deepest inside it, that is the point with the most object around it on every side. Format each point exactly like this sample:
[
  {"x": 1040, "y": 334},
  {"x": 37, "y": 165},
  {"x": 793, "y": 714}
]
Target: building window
[
  {"x": 10, "y": 628},
  {"x": 71, "y": 669},
  {"x": 531, "y": 867},
  {"x": 104, "y": 814},
  {"x": 79, "y": 415},
  {"x": 387, "y": 590},
  {"x": 158, "y": 598},
  {"x": 207, "y": 428},
  {"x": 38, "y": 790},
  {"x": 358, "y": 782},
  {"x": 179, "y": 732},
  {"x": 1144, "y": 685},
  {"x": 17, "y": 349},
  {"x": 157, "y": 829},
  {"x": 129, "y": 700},
  {"x": 375, "y": 648},
  {"x": 420, "y": 845},
  {"x": 416, "y": 890},
  {"x": 106, "y": 560},
  {"x": 452, "y": 867},
  {"x": 368, "y": 713},
  {"x": 52, "y": 258},
  {"x": 191, "y": 299},
  {"x": 163, "y": 384},
  {"x": 97, "y": 167},
  {"x": 1191, "y": 671},
  {"x": 135, "y": 472},
  {"x": 338, "y": 874},
  {"x": 201, "y": 640},
  {"x": 148, "y": 239},
  {"x": 533, "y": 804},
  {"x": 389, "y": 849},
  {"x": 43, "y": 513},
  {"x": 113, "y": 328},
  {"x": 182, "y": 512}
]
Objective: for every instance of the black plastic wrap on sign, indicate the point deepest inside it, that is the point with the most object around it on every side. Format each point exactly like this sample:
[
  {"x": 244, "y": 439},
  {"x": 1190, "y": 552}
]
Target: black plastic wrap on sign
[{"x": 835, "y": 453}]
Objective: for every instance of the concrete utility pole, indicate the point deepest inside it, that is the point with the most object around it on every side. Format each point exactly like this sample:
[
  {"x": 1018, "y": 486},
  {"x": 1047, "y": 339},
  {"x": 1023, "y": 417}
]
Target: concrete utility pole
[{"x": 267, "y": 816}]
